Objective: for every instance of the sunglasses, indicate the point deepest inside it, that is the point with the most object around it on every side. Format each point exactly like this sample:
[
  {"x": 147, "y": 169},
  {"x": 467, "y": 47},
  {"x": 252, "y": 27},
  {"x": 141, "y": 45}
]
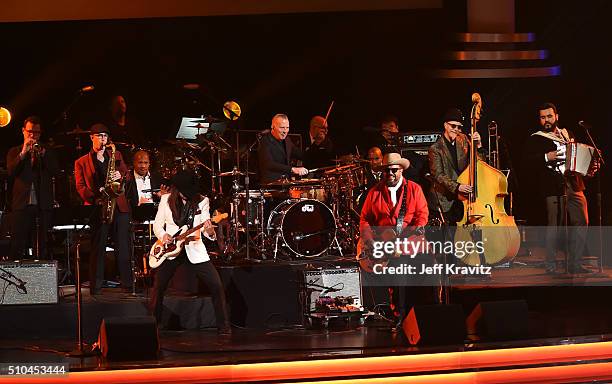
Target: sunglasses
[
  {"x": 391, "y": 170},
  {"x": 455, "y": 126}
]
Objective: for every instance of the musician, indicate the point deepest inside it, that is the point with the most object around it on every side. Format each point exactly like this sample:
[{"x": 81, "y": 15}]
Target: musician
[
  {"x": 185, "y": 206},
  {"x": 382, "y": 209},
  {"x": 90, "y": 172},
  {"x": 386, "y": 140},
  {"x": 122, "y": 129},
  {"x": 320, "y": 151},
  {"x": 546, "y": 154},
  {"x": 275, "y": 152},
  {"x": 448, "y": 158},
  {"x": 31, "y": 168},
  {"x": 142, "y": 179}
]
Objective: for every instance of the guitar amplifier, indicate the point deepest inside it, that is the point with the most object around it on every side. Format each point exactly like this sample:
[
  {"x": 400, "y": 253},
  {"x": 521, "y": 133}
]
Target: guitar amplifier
[
  {"x": 28, "y": 282},
  {"x": 336, "y": 282}
]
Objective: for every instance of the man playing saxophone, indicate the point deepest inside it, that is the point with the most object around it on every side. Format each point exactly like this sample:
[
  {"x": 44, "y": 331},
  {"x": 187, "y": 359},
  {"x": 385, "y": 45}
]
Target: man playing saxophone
[{"x": 97, "y": 174}]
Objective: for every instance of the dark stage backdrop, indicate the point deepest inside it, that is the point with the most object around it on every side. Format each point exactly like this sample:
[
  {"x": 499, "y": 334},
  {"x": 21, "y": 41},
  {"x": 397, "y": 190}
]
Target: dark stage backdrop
[{"x": 370, "y": 63}]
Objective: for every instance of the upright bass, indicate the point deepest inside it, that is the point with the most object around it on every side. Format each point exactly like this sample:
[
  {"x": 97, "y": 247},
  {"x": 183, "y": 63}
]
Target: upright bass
[{"x": 484, "y": 218}]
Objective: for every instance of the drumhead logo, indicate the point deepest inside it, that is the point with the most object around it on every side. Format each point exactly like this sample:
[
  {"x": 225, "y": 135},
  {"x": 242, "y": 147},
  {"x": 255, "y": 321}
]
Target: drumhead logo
[{"x": 308, "y": 208}]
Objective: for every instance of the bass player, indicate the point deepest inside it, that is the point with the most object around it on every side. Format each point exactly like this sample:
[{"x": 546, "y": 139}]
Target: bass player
[{"x": 184, "y": 205}]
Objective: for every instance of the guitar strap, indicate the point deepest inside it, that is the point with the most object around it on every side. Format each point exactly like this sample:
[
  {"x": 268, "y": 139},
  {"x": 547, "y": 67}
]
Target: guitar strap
[{"x": 400, "y": 219}]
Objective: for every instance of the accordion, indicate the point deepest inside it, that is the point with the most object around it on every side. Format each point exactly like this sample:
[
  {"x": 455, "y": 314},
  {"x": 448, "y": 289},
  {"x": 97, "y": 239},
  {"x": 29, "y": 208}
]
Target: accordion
[{"x": 581, "y": 158}]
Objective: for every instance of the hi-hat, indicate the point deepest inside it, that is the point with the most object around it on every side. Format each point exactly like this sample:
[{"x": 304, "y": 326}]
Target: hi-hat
[{"x": 234, "y": 173}]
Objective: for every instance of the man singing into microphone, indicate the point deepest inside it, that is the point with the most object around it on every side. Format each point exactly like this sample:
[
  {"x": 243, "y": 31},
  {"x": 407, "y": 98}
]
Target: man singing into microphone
[
  {"x": 30, "y": 169},
  {"x": 276, "y": 151},
  {"x": 90, "y": 172}
]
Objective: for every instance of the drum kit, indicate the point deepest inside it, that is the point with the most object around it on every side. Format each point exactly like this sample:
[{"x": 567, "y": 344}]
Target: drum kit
[{"x": 302, "y": 218}]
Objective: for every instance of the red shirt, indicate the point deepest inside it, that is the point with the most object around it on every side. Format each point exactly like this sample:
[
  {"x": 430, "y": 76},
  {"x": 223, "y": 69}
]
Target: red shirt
[{"x": 378, "y": 209}]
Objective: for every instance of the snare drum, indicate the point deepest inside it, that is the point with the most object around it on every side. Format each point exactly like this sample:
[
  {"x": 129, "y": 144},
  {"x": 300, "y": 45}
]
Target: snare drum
[
  {"x": 306, "y": 227},
  {"x": 314, "y": 192}
]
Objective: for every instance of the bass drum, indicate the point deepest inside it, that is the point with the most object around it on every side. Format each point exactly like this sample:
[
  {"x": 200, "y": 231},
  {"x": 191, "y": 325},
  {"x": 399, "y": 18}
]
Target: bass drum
[{"x": 307, "y": 227}]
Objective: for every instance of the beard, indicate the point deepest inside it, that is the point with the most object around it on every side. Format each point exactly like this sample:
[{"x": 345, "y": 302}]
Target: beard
[{"x": 550, "y": 126}]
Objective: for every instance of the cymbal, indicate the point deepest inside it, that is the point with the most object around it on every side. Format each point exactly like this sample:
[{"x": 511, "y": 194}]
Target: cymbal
[
  {"x": 233, "y": 173},
  {"x": 181, "y": 143},
  {"x": 75, "y": 132},
  {"x": 198, "y": 125}
]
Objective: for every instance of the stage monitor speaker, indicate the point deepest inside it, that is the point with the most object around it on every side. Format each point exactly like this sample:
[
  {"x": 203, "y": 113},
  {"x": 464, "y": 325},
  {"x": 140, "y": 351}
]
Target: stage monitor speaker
[
  {"x": 129, "y": 338},
  {"x": 435, "y": 324},
  {"x": 499, "y": 320},
  {"x": 28, "y": 282},
  {"x": 333, "y": 282}
]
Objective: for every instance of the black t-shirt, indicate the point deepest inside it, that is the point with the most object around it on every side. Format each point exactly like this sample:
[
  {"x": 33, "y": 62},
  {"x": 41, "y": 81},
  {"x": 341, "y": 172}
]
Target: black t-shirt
[{"x": 101, "y": 169}]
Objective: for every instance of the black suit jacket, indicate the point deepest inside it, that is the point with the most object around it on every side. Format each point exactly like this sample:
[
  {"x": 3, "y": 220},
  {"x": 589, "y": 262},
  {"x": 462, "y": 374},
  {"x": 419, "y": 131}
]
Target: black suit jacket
[
  {"x": 131, "y": 192},
  {"x": 23, "y": 172},
  {"x": 275, "y": 157},
  {"x": 548, "y": 181}
]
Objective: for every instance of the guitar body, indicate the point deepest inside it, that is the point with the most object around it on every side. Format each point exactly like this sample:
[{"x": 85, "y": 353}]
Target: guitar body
[
  {"x": 160, "y": 251},
  {"x": 367, "y": 260}
]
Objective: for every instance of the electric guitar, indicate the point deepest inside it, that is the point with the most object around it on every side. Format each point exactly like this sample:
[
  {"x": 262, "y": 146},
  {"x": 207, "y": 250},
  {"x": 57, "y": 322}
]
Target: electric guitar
[
  {"x": 368, "y": 256},
  {"x": 160, "y": 251}
]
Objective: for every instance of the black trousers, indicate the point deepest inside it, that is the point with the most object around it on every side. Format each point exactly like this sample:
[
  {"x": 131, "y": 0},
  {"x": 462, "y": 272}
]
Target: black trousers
[
  {"x": 205, "y": 271},
  {"x": 578, "y": 220},
  {"x": 120, "y": 228},
  {"x": 24, "y": 231}
]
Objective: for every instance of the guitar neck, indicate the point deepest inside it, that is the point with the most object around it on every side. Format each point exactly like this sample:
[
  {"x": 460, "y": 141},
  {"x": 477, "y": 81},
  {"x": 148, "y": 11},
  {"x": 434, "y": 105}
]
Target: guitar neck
[
  {"x": 189, "y": 232},
  {"x": 214, "y": 219}
]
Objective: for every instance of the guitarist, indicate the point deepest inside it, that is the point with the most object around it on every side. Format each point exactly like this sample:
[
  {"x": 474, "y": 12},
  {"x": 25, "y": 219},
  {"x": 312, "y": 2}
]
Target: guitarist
[
  {"x": 391, "y": 200},
  {"x": 185, "y": 206}
]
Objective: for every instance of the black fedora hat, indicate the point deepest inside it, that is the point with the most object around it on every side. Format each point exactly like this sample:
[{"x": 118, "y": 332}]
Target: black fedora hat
[{"x": 186, "y": 183}]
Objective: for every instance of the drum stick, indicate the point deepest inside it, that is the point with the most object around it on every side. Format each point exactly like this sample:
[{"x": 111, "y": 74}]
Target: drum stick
[{"x": 328, "y": 112}]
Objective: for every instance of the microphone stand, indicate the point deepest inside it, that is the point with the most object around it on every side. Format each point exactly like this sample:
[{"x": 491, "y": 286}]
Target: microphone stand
[
  {"x": 598, "y": 195},
  {"x": 80, "y": 350},
  {"x": 444, "y": 293}
]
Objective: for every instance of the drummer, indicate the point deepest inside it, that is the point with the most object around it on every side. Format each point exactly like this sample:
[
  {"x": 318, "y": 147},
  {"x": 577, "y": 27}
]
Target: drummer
[
  {"x": 276, "y": 151},
  {"x": 320, "y": 150},
  {"x": 144, "y": 186}
]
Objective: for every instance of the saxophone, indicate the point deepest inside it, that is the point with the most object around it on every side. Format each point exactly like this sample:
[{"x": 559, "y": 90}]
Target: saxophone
[{"x": 112, "y": 189}]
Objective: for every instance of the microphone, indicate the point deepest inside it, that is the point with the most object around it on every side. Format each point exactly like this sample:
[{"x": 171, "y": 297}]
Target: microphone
[
  {"x": 584, "y": 124},
  {"x": 476, "y": 98},
  {"x": 85, "y": 89},
  {"x": 298, "y": 237}
]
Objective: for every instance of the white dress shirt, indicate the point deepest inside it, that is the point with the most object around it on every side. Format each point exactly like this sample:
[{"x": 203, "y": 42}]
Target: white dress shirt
[{"x": 142, "y": 183}]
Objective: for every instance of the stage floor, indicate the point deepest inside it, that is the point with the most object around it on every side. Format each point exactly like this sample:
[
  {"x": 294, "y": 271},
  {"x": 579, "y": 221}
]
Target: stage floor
[{"x": 560, "y": 319}]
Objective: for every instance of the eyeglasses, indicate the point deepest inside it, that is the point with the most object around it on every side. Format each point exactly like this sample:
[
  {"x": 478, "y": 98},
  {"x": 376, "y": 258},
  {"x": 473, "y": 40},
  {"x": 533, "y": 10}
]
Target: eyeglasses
[
  {"x": 391, "y": 170},
  {"x": 100, "y": 135},
  {"x": 455, "y": 127},
  {"x": 33, "y": 132}
]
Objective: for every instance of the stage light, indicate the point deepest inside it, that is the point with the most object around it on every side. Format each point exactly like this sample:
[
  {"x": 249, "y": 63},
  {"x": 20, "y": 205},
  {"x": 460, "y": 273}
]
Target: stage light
[
  {"x": 231, "y": 110},
  {"x": 5, "y": 117}
]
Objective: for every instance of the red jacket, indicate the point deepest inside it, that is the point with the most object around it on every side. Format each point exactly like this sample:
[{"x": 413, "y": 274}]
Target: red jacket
[
  {"x": 84, "y": 170},
  {"x": 378, "y": 208}
]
